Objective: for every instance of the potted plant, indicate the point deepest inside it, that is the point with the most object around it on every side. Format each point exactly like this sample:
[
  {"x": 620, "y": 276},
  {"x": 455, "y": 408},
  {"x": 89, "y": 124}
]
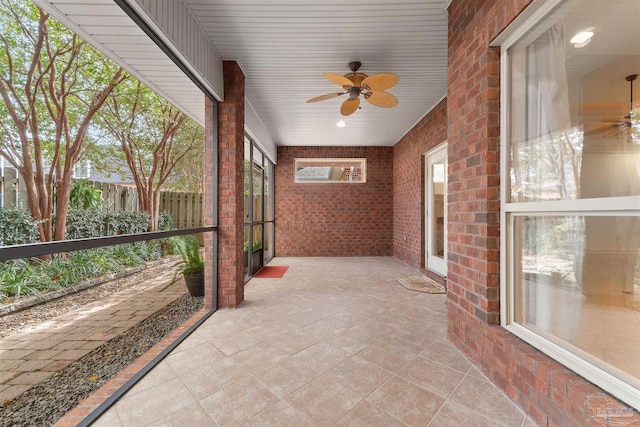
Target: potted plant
[
  {"x": 193, "y": 264},
  {"x": 256, "y": 257}
]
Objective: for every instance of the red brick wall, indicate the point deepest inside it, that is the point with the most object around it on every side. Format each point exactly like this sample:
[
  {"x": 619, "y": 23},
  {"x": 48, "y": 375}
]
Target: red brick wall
[
  {"x": 408, "y": 184},
  {"x": 549, "y": 392},
  {"x": 231, "y": 188},
  {"x": 337, "y": 219}
]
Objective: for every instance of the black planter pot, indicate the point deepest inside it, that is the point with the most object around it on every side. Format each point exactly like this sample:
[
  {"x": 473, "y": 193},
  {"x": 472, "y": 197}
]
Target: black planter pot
[
  {"x": 256, "y": 261},
  {"x": 195, "y": 284}
]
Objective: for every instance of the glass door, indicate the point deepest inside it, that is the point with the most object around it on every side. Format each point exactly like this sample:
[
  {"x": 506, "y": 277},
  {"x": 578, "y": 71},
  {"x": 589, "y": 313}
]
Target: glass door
[
  {"x": 259, "y": 218},
  {"x": 436, "y": 210}
]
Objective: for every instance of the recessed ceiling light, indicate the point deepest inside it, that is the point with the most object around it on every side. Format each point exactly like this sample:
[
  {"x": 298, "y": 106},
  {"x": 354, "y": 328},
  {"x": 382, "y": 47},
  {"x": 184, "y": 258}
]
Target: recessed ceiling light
[
  {"x": 341, "y": 124},
  {"x": 581, "y": 39}
]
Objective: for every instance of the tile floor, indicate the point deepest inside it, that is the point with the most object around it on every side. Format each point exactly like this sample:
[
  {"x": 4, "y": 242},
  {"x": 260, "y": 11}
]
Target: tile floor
[{"x": 337, "y": 341}]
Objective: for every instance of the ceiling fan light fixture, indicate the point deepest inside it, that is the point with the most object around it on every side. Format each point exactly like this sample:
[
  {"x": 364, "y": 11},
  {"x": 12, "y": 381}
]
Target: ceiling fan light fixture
[
  {"x": 341, "y": 124},
  {"x": 581, "y": 39},
  {"x": 357, "y": 83}
]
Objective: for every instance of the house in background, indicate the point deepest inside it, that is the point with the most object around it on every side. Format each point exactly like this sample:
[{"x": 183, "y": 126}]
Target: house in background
[{"x": 510, "y": 168}]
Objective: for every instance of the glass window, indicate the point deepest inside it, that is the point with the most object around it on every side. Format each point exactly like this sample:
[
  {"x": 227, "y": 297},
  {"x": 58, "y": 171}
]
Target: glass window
[
  {"x": 572, "y": 197},
  {"x": 269, "y": 210},
  {"x": 330, "y": 170}
]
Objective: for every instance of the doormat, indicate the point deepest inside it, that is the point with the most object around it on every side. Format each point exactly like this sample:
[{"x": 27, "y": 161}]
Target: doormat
[
  {"x": 271, "y": 272},
  {"x": 422, "y": 284}
]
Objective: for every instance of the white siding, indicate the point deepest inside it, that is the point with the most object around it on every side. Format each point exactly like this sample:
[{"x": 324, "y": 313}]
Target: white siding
[{"x": 174, "y": 20}]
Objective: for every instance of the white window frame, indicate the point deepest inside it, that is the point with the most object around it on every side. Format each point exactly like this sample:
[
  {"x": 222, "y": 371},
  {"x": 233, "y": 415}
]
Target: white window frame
[
  {"x": 319, "y": 160},
  {"x": 618, "y": 206}
]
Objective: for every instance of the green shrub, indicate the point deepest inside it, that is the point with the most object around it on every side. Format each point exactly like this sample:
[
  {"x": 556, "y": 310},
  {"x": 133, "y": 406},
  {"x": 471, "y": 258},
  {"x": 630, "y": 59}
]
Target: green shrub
[
  {"x": 17, "y": 227},
  {"x": 84, "y": 195},
  {"x": 165, "y": 222},
  {"x": 125, "y": 222},
  {"x": 85, "y": 223}
]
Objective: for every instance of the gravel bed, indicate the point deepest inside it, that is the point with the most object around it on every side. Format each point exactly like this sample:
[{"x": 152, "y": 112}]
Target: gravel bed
[
  {"x": 45, "y": 403},
  {"x": 15, "y": 322}
]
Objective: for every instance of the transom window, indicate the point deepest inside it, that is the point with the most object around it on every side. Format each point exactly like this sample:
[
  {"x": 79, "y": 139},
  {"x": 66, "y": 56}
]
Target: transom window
[{"x": 330, "y": 170}]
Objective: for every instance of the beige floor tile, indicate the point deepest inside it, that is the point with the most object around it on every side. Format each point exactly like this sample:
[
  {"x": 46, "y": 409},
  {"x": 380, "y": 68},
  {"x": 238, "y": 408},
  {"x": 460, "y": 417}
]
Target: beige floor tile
[
  {"x": 387, "y": 356},
  {"x": 367, "y": 415},
  {"x": 318, "y": 358},
  {"x": 193, "y": 358},
  {"x": 235, "y": 343},
  {"x": 443, "y": 352},
  {"x": 284, "y": 378},
  {"x": 431, "y": 376},
  {"x": 323, "y": 401},
  {"x": 350, "y": 342},
  {"x": 279, "y": 415},
  {"x": 193, "y": 415},
  {"x": 358, "y": 375},
  {"x": 294, "y": 341},
  {"x": 260, "y": 357},
  {"x": 411, "y": 340},
  {"x": 405, "y": 401},
  {"x": 152, "y": 404},
  {"x": 484, "y": 397},
  {"x": 238, "y": 403},
  {"x": 202, "y": 382},
  {"x": 372, "y": 329},
  {"x": 453, "y": 415}
]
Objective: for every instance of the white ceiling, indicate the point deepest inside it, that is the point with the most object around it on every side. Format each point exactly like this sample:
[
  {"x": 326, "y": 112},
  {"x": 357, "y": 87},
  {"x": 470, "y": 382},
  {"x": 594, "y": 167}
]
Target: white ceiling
[
  {"x": 107, "y": 27},
  {"x": 285, "y": 46}
]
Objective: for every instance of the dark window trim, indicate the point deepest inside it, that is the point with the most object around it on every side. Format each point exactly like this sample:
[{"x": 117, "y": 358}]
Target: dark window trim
[{"x": 48, "y": 248}]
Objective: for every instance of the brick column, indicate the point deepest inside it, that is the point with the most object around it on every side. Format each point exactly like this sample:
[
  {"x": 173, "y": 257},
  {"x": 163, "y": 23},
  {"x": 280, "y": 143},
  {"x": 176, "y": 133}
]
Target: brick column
[{"x": 230, "y": 188}]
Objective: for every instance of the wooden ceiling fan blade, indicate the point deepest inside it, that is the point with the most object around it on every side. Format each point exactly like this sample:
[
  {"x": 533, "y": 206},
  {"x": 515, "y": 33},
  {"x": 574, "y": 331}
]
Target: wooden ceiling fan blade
[
  {"x": 338, "y": 79},
  {"x": 600, "y": 130},
  {"x": 327, "y": 96},
  {"x": 614, "y": 120},
  {"x": 381, "y": 99},
  {"x": 349, "y": 106},
  {"x": 380, "y": 81}
]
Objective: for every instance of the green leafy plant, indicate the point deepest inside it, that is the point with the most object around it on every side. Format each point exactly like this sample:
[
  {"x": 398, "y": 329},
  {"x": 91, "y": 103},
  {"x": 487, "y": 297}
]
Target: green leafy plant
[
  {"x": 83, "y": 195},
  {"x": 25, "y": 277},
  {"x": 17, "y": 227},
  {"x": 189, "y": 249}
]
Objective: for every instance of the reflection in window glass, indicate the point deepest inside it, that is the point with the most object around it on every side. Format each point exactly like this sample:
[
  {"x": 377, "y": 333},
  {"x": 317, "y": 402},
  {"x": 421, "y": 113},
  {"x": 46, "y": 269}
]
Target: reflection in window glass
[
  {"x": 569, "y": 290},
  {"x": 575, "y": 131},
  {"x": 330, "y": 170}
]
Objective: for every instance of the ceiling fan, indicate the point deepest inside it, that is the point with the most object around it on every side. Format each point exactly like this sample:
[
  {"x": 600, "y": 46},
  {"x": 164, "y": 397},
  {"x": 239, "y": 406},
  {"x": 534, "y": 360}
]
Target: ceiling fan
[
  {"x": 356, "y": 83},
  {"x": 622, "y": 124}
]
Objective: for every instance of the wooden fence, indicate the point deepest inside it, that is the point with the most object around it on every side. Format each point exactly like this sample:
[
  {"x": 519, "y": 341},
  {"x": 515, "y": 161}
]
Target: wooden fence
[{"x": 185, "y": 208}]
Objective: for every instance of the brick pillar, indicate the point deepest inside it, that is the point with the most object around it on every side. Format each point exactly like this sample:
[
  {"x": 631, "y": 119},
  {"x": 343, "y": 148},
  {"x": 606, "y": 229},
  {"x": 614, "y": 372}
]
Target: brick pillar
[
  {"x": 231, "y": 188},
  {"x": 210, "y": 145}
]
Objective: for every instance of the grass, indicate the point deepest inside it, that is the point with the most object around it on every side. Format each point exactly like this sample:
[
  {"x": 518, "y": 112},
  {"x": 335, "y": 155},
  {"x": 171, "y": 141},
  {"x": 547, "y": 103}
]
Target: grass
[{"x": 27, "y": 277}]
